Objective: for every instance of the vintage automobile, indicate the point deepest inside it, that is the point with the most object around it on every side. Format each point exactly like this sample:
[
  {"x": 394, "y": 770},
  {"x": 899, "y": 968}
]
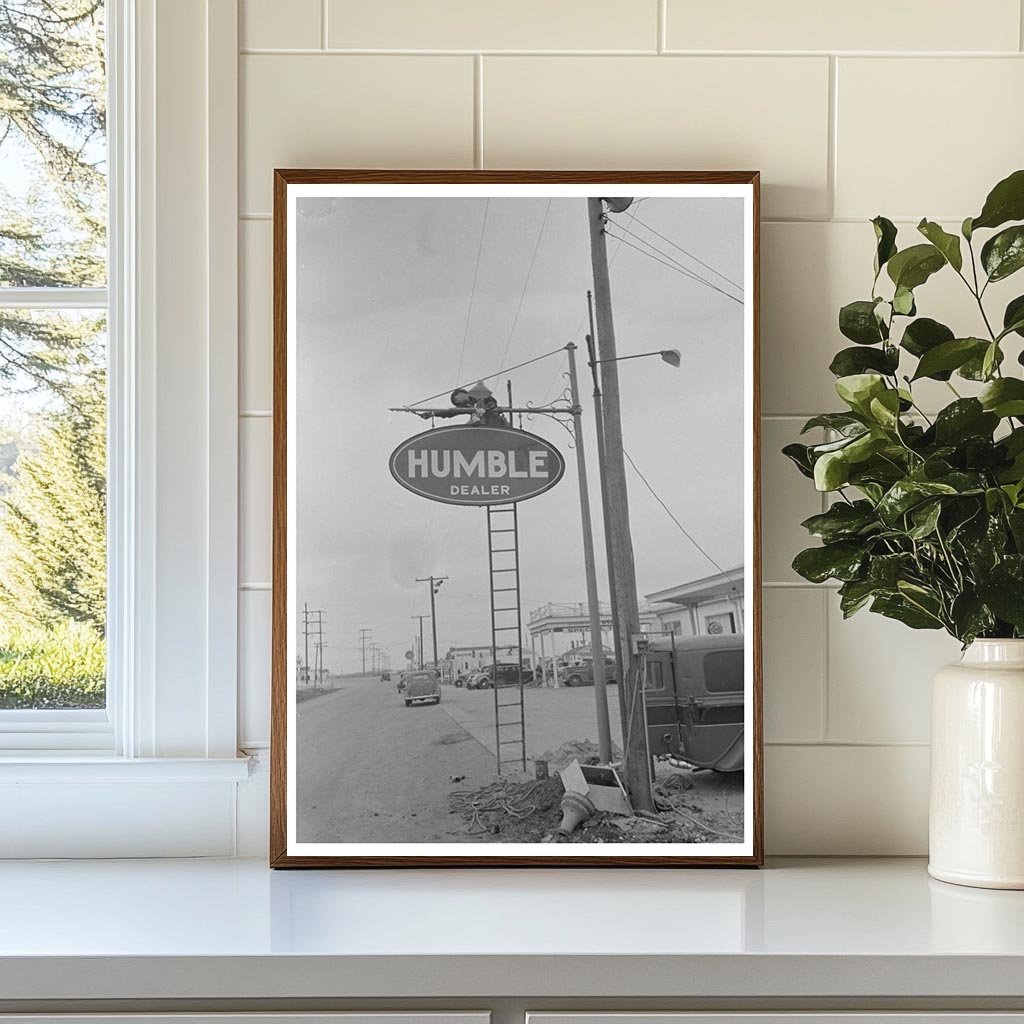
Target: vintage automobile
[
  {"x": 508, "y": 675},
  {"x": 422, "y": 688},
  {"x": 694, "y": 695},
  {"x": 583, "y": 675}
]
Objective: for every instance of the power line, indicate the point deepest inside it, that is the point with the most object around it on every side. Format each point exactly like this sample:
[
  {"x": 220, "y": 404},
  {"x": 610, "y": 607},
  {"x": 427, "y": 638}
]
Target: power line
[
  {"x": 472, "y": 293},
  {"x": 526, "y": 283},
  {"x": 583, "y": 319},
  {"x": 689, "y": 536},
  {"x": 678, "y": 263},
  {"x": 697, "y": 259},
  {"x": 518, "y": 366},
  {"x": 673, "y": 264}
]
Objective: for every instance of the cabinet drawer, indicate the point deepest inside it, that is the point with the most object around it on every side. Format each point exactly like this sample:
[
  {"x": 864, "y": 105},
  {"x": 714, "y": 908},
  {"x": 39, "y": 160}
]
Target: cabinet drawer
[
  {"x": 362, "y": 1017},
  {"x": 851, "y": 1017}
]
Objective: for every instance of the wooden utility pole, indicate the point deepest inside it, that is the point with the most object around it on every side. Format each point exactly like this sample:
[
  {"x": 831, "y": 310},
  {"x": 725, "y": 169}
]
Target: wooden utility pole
[
  {"x": 604, "y": 735},
  {"x": 435, "y": 585},
  {"x": 637, "y": 766},
  {"x": 364, "y": 639},
  {"x": 620, "y": 667},
  {"x": 421, "y": 618}
]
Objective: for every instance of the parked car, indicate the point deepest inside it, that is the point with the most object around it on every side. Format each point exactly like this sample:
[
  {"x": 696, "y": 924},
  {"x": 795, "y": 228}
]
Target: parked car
[
  {"x": 695, "y": 701},
  {"x": 508, "y": 675},
  {"x": 385, "y": 677},
  {"x": 478, "y": 681},
  {"x": 583, "y": 675},
  {"x": 422, "y": 688}
]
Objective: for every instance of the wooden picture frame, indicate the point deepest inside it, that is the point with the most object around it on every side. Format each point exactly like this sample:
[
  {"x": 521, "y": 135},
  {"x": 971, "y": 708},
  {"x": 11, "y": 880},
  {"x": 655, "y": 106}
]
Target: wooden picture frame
[{"x": 292, "y": 670}]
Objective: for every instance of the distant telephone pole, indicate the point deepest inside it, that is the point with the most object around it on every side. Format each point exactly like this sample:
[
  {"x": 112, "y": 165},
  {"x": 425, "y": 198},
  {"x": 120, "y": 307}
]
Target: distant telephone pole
[
  {"x": 421, "y": 618},
  {"x": 435, "y": 585},
  {"x": 364, "y": 641},
  {"x": 613, "y": 480},
  {"x": 313, "y": 629}
]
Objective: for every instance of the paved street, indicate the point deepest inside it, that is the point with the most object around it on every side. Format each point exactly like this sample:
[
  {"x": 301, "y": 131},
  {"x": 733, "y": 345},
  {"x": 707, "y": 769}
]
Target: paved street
[
  {"x": 553, "y": 716},
  {"x": 371, "y": 769}
]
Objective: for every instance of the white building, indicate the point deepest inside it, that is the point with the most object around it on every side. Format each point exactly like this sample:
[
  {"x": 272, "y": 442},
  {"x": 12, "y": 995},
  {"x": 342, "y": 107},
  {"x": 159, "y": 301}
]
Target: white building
[
  {"x": 713, "y": 604},
  {"x": 462, "y": 660}
]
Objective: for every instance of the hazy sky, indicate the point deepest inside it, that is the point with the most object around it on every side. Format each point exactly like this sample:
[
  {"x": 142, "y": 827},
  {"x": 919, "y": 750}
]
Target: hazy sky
[{"x": 387, "y": 315}]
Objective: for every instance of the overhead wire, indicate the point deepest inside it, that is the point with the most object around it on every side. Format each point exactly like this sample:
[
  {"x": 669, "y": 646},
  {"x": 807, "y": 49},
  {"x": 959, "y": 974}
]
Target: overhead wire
[
  {"x": 695, "y": 258},
  {"x": 686, "y": 533},
  {"x": 472, "y": 293},
  {"x": 682, "y": 266},
  {"x": 672, "y": 263},
  {"x": 526, "y": 283}
]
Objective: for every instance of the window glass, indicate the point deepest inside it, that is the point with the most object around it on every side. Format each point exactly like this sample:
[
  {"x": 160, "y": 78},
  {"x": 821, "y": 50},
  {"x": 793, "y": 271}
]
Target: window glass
[
  {"x": 53, "y": 357},
  {"x": 723, "y": 671},
  {"x": 654, "y": 679}
]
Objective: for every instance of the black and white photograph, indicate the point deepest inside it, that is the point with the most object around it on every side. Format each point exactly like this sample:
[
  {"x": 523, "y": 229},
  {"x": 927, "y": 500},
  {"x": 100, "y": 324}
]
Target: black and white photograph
[{"x": 515, "y": 508}]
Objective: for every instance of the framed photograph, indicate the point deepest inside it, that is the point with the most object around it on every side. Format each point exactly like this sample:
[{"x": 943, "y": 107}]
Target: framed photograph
[{"x": 516, "y": 574}]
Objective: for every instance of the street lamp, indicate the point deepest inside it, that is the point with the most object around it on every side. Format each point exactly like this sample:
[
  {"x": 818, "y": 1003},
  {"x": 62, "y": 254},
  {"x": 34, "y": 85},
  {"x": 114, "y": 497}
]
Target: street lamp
[{"x": 671, "y": 356}]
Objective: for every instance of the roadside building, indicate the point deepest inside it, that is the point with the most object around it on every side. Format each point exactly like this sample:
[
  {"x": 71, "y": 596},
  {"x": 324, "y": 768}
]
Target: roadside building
[
  {"x": 710, "y": 605},
  {"x": 558, "y": 629},
  {"x": 464, "y": 659}
]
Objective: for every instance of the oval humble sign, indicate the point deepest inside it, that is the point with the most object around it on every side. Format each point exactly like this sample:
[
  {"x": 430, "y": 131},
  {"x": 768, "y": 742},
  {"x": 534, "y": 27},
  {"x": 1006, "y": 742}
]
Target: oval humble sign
[{"x": 477, "y": 465}]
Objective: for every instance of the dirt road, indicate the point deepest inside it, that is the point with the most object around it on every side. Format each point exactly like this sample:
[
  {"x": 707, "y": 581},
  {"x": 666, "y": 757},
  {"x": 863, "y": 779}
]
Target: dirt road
[{"x": 372, "y": 770}]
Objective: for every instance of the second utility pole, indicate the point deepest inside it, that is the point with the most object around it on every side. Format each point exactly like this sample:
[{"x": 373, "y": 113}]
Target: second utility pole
[
  {"x": 604, "y": 735},
  {"x": 435, "y": 584},
  {"x": 613, "y": 481}
]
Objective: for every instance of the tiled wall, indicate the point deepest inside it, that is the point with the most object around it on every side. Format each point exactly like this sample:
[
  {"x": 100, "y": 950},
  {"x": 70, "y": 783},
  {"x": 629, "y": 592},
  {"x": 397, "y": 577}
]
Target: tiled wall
[{"x": 906, "y": 108}]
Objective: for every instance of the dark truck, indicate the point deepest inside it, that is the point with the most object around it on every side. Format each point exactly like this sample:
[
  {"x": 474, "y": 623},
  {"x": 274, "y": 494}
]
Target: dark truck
[{"x": 694, "y": 695}]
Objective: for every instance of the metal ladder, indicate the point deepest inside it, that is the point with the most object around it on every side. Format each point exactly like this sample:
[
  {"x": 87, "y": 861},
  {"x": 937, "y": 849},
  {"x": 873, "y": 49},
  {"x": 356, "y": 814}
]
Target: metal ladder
[{"x": 506, "y": 619}]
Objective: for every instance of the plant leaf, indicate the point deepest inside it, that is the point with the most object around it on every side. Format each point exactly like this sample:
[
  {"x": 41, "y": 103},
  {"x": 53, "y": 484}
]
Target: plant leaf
[
  {"x": 800, "y": 456},
  {"x": 840, "y": 561},
  {"x": 897, "y": 607},
  {"x": 964, "y": 418},
  {"x": 885, "y": 238},
  {"x": 947, "y": 244},
  {"x": 849, "y": 361},
  {"x": 1004, "y": 397},
  {"x": 831, "y": 471},
  {"x": 1003, "y": 254},
  {"x": 841, "y": 421},
  {"x": 1005, "y": 202},
  {"x": 906, "y": 494},
  {"x": 912, "y": 267},
  {"x": 1013, "y": 316},
  {"x": 858, "y": 389},
  {"x": 1005, "y": 596},
  {"x": 949, "y": 356},
  {"x": 925, "y": 518},
  {"x": 857, "y": 321},
  {"x": 970, "y": 617},
  {"x": 923, "y": 335},
  {"x": 842, "y": 521}
]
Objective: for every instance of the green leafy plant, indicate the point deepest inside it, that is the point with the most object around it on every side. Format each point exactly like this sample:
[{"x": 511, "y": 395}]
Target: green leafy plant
[{"x": 927, "y": 521}]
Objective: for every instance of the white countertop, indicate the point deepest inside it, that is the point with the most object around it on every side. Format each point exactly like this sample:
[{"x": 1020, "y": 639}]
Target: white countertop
[{"x": 233, "y": 929}]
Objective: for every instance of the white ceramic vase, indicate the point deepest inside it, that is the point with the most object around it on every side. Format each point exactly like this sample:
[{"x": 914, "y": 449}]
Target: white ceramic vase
[{"x": 976, "y": 816}]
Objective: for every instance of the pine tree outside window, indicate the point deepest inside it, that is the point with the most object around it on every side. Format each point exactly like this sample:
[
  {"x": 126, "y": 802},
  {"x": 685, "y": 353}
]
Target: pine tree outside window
[{"x": 53, "y": 360}]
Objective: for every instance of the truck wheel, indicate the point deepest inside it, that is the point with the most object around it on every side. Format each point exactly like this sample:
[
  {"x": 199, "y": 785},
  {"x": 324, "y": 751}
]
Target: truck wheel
[
  {"x": 574, "y": 681},
  {"x": 437, "y": 699},
  {"x": 408, "y": 703}
]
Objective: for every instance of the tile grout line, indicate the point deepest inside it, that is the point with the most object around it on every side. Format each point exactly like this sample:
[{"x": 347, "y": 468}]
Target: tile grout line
[
  {"x": 323, "y": 24},
  {"x": 1020, "y": 25},
  {"x": 825, "y": 722},
  {"x": 662, "y": 26},
  {"x": 478, "y": 111},
  {"x": 832, "y": 148},
  {"x": 768, "y": 55}
]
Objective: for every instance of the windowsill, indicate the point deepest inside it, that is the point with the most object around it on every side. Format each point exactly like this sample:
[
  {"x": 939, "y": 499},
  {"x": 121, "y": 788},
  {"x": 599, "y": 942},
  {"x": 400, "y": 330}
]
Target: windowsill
[
  {"x": 74, "y": 766},
  {"x": 233, "y": 930}
]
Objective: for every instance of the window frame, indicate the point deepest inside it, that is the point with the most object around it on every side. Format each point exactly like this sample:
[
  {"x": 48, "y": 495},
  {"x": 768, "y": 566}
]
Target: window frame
[{"x": 157, "y": 222}]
